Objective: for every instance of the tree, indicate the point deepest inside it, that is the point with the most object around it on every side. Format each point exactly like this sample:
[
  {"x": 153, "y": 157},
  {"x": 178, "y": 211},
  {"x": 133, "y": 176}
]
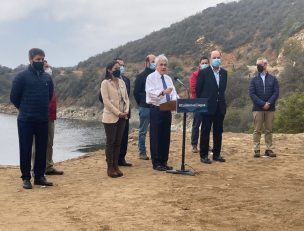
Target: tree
[{"x": 289, "y": 117}]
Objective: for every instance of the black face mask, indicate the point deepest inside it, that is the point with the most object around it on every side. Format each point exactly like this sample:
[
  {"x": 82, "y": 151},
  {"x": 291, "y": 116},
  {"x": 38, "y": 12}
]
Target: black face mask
[
  {"x": 116, "y": 73},
  {"x": 38, "y": 66},
  {"x": 260, "y": 68}
]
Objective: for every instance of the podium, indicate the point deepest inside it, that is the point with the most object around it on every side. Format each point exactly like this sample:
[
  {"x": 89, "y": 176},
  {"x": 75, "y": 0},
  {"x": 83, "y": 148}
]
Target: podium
[
  {"x": 184, "y": 106},
  {"x": 168, "y": 106}
]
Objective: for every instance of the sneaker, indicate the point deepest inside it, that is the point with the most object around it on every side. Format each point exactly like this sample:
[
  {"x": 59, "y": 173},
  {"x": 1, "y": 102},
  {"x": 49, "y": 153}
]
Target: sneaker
[
  {"x": 270, "y": 153},
  {"x": 194, "y": 149},
  {"x": 257, "y": 154},
  {"x": 143, "y": 157}
]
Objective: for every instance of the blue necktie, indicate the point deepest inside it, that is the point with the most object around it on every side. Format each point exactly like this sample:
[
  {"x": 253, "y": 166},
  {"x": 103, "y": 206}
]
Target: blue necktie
[{"x": 165, "y": 87}]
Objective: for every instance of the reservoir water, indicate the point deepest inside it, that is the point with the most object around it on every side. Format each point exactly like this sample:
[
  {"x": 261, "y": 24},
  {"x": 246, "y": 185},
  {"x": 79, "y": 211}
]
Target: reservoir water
[{"x": 72, "y": 139}]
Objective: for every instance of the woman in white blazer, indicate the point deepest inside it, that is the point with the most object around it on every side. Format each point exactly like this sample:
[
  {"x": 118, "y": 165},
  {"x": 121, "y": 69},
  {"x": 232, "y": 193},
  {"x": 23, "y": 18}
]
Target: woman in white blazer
[{"x": 116, "y": 108}]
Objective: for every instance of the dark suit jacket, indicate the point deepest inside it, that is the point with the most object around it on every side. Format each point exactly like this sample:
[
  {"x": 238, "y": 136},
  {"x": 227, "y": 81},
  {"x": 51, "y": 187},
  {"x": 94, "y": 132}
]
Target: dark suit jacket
[
  {"x": 128, "y": 86},
  {"x": 206, "y": 87}
]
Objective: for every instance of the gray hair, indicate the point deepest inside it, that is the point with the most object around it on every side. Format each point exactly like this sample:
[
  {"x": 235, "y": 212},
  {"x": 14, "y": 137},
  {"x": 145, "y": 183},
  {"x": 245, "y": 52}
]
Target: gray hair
[
  {"x": 161, "y": 57},
  {"x": 264, "y": 60}
]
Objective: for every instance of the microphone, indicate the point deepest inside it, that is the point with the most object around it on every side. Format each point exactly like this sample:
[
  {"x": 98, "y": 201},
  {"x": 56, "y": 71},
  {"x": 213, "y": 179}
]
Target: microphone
[{"x": 178, "y": 80}]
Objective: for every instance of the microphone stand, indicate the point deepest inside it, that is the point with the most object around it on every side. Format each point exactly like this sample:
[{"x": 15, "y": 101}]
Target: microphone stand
[{"x": 183, "y": 171}]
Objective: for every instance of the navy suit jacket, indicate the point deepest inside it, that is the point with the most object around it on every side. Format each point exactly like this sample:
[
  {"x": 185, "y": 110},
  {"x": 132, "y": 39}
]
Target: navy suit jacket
[{"x": 206, "y": 87}]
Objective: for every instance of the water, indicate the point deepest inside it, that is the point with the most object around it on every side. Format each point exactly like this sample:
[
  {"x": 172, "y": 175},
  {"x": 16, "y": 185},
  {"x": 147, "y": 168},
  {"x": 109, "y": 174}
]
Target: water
[{"x": 72, "y": 139}]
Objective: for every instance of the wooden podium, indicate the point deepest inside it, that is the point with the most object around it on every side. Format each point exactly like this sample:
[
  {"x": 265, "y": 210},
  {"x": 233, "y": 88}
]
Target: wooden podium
[{"x": 168, "y": 106}]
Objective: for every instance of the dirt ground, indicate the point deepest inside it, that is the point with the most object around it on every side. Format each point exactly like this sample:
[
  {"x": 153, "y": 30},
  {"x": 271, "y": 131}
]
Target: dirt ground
[{"x": 244, "y": 194}]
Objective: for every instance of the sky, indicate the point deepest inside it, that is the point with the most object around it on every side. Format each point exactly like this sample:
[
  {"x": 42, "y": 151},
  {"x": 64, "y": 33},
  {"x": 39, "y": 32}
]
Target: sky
[{"x": 71, "y": 31}]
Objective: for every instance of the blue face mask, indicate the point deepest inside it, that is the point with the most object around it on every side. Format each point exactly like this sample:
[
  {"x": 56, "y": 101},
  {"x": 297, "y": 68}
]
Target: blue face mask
[
  {"x": 216, "y": 62},
  {"x": 203, "y": 66},
  {"x": 122, "y": 70},
  {"x": 152, "y": 66}
]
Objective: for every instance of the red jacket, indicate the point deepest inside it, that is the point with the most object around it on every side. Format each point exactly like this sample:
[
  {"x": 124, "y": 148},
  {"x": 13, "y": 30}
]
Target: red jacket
[
  {"x": 192, "y": 83},
  {"x": 53, "y": 107}
]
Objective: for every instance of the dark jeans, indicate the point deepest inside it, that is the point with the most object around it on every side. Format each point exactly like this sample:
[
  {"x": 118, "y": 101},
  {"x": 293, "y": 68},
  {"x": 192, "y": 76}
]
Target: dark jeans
[
  {"x": 197, "y": 120},
  {"x": 26, "y": 132},
  {"x": 124, "y": 142},
  {"x": 160, "y": 130},
  {"x": 114, "y": 133},
  {"x": 207, "y": 121}
]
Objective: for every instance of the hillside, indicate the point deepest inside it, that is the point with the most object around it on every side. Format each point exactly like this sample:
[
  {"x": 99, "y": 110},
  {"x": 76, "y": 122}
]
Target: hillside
[{"x": 243, "y": 30}]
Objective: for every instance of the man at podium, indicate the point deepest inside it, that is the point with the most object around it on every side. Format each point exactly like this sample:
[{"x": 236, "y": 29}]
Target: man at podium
[{"x": 160, "y": 90}]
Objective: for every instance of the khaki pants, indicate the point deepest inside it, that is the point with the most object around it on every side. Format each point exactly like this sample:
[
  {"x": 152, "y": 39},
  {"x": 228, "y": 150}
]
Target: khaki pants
[
  {"x": 49, "y": 151},
  {"x": 261, "y": 118}
]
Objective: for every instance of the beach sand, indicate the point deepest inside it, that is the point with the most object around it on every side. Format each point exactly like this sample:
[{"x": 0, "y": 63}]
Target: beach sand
[{"x": 244, "y": 194}]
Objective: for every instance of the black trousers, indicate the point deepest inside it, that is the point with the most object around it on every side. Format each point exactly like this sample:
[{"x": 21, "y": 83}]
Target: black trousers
[
  {"x": 124, "y": 143},
  {"x": 26, "y": 132},
  {"x": 160, "y": 130},
  {"x": 216, "y": 120}
]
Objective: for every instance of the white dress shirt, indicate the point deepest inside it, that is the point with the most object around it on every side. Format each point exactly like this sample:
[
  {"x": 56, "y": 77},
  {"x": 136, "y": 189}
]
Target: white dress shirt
[{"x": 154, "y": 87}]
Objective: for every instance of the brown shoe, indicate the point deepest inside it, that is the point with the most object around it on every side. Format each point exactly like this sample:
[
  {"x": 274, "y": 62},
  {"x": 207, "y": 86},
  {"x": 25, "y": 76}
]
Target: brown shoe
[
  {"x": 111, "y": 172},
  {"x": 54, "y": 171},
  {"x": 270, "y": 153}
]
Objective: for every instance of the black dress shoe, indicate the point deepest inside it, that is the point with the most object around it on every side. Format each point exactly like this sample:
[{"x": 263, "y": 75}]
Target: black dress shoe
[
  {"x": 26, "y": 184},
  {"x": 54, "y": 171},
  {"x": 167, "y": 167},
  {"x": 124, "y": 163},
  {"x": 219, "y": 159},
  {"x": 206, "y": 160},
  {"x": 159, "y": 168},
  {"x": 42, "y": 181}
]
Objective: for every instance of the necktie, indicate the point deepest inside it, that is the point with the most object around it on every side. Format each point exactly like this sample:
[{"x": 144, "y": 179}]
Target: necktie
[{"x": 165, "y": 87}]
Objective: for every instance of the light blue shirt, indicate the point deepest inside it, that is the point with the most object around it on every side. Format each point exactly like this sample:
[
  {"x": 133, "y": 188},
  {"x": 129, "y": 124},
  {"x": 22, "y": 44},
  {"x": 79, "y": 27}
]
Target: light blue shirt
[
  {"x": 217, "y": 76},
  {"x": 263, "y": 75}
]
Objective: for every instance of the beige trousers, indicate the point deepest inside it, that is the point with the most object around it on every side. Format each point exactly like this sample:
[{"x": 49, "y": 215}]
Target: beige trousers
[
  {"x": 49, "y": 150},
  {"x": 261, "y": 118}
]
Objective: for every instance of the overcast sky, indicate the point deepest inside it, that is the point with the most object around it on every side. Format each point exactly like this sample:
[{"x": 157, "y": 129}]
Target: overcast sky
[{"x": 70, "y": 31}]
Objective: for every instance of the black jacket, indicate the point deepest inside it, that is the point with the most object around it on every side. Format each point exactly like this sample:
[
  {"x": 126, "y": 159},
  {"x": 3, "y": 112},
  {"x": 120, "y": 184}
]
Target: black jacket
[
  {"x": 206, "y": 87},
  {"x": 259, "y": 96},
  {"x": 140, "y": 88},
  {"x": 128, "y": 86},
  {"x": 31, "y": 92}
]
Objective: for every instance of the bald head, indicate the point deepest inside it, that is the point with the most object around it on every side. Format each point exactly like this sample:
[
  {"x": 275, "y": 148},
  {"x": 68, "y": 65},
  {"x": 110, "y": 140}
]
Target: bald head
[
  {"x": 150, "y": 59},
  {"x": 215, "y": 59}
]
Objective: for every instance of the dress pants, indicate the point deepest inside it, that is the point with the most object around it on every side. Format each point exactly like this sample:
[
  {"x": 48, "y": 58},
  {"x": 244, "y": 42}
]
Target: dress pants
[
  {"x": 197, "y": 120},
  {"x": 160, "y": 130},
  {"x": 114, "y": 133},
  {"x": 216, "y": 120},
  {"x": 124, "y": 142},
  {"x": 49, "y": 151},
  {"x": 26, "y": 131}
]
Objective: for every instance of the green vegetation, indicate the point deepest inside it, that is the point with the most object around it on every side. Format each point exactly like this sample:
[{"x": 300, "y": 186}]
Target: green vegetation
[{"x": 289, "y": 117}]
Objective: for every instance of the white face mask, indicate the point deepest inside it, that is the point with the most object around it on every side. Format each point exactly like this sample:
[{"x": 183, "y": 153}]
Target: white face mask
[{"x": 49, "y": 71}]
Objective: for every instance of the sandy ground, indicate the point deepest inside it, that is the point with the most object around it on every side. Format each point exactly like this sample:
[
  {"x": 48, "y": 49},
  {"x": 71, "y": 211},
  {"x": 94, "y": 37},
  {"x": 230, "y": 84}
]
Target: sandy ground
[{"x": 242, "y": 194}]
